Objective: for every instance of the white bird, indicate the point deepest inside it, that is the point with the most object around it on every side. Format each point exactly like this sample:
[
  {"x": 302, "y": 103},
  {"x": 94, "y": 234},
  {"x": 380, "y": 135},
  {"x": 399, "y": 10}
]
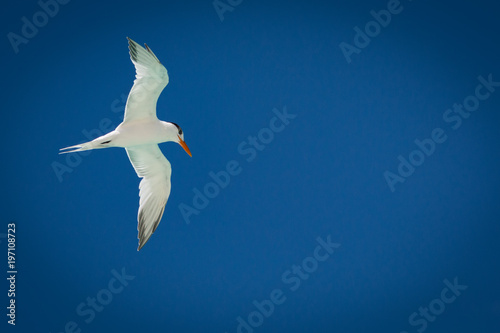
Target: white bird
[{"x": 140, "y": 133}]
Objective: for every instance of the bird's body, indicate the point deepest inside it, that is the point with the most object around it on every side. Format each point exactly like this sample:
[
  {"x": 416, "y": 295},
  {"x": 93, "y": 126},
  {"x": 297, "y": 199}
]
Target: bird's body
[
  {"x": 133, "y": 133},
  {"x": 140, "y": 133}
]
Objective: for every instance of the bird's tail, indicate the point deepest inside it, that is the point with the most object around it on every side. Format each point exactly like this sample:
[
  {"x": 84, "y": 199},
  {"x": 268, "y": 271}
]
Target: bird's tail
[
  {"x": 81, "y": 147},
  {"x": 104, "y": 141}
]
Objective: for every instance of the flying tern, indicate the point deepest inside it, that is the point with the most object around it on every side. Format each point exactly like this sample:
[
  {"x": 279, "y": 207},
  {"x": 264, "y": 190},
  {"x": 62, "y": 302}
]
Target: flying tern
[{"x": 140, "y": 133}]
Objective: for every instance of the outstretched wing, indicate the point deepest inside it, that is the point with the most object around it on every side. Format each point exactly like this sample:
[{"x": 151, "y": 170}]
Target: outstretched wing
[
  {"x": 150, "y": 79},
  {"x": 151, "y": 165}
]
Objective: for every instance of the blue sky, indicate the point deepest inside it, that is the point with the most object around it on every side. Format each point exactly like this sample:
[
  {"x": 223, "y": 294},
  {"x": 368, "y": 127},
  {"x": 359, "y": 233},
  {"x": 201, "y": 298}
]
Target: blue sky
[{"x": 331, "y": 220}]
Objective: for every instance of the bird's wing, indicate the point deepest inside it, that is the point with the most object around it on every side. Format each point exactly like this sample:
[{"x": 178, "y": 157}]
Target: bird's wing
[
  {"x": 150, "y": 79},
  {"x": 154, "y": 189}
]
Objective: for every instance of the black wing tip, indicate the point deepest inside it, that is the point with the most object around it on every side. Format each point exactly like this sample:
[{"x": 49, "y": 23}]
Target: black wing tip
[
  {"x": 143, "y": 238},
  {"x": 133, "y": 45},
  {"x": 131, "y": 42},
  {"x": 142, "y": 242},
  {"x": 132, "y": 48}
]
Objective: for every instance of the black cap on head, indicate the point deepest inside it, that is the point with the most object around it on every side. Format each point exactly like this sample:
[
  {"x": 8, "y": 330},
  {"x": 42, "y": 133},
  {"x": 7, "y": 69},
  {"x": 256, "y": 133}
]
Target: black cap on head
[{"x": 178, "y": 127}]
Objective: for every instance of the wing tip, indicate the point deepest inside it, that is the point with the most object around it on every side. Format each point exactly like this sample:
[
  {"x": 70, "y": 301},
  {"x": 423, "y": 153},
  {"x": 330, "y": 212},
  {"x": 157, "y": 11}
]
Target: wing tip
[
  {"x": 131, "y": 42},
  {"x": 134, "y": 47},
  {"x": 151, "y": 52},
  {"x": 142, "y": 242},
  {"x": 144, "y": 236}
]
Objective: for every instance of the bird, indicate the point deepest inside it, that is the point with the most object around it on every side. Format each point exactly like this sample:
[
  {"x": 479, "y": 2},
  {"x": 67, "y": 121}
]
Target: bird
[{"x": 140, "y": 133}]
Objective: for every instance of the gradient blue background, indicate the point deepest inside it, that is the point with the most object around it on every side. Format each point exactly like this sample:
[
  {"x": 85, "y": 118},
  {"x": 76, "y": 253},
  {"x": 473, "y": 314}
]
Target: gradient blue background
[{"x": 323, "y": 175}]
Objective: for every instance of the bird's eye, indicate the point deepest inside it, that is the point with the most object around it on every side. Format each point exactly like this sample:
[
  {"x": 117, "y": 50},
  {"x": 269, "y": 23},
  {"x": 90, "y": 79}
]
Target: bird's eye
[{"x": 178, "y": 128}]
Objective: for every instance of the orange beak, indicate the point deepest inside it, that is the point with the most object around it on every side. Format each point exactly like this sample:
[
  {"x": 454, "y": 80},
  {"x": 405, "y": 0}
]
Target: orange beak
[{"x": 184, "y": 145}]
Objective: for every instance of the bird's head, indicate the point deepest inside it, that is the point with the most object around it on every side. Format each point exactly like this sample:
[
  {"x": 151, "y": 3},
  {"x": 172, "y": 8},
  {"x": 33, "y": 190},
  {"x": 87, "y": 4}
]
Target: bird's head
[{"x": 176, "y": 134}]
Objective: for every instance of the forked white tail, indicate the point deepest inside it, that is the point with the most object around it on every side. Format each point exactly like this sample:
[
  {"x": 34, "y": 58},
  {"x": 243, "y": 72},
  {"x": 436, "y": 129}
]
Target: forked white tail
[{"x": 81, "y": 147}]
